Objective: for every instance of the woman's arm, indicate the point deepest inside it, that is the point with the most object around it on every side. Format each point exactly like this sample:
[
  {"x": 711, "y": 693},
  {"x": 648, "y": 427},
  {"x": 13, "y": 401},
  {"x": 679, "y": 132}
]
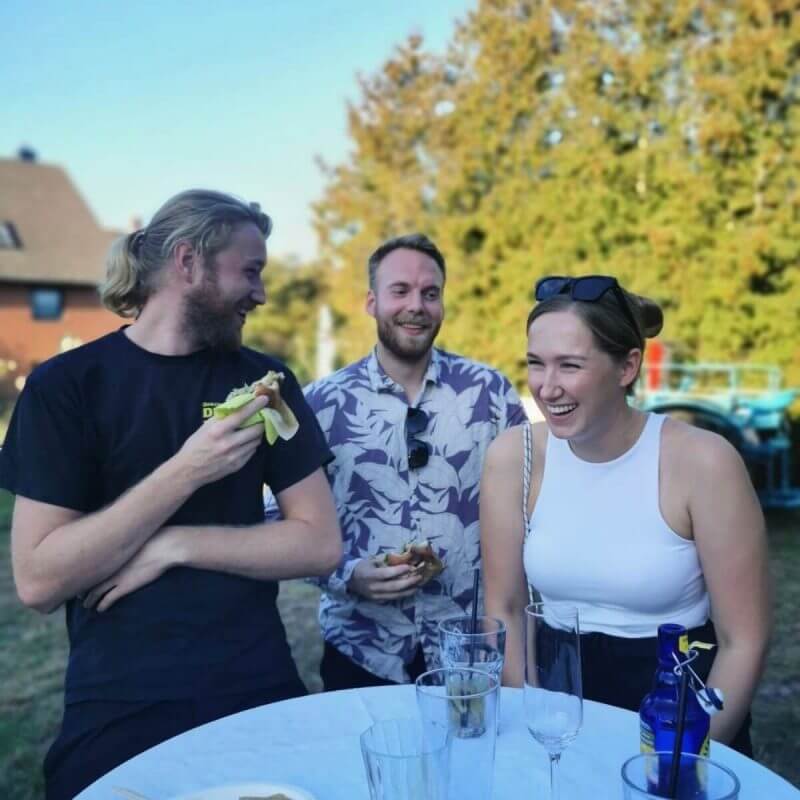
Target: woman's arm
[
  {"x": 505, "y": 586},
  {"x": 729, "y": 531}
]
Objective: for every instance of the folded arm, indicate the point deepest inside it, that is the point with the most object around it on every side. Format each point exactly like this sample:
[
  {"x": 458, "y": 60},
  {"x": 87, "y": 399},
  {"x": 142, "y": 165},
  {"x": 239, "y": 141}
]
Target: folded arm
[
  {"x": 305, "y": 542},
  {"x": 58, "y": 553},
  {"x": 334, "y": 581}
]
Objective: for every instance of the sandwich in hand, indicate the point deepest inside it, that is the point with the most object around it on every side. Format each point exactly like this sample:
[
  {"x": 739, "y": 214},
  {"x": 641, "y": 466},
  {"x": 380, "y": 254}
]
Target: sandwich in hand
[
  {"x": 277, "y": 418},
  {"x": 419, "y": 556}
]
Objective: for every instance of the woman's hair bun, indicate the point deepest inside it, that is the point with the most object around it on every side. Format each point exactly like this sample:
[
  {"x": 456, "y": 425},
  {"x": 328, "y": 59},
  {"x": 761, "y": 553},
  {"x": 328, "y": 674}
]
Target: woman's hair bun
[{"x": 649, "y": 313}]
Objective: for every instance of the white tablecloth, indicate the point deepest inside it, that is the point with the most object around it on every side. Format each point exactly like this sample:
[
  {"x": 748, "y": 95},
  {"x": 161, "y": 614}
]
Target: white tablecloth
[{"x": 312, "y": 742}]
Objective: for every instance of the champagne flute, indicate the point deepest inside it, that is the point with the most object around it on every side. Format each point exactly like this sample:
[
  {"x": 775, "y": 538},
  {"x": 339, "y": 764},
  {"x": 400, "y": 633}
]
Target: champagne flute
[{"x": 553, "y": 692}]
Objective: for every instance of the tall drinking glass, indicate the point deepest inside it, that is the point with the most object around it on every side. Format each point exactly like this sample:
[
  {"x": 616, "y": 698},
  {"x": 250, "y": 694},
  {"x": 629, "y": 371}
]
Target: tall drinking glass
[
  {"x": 402, "y": 764},
  {"x": 553, "y": 690},
  {"x": 464, "y": 703},
  {"x": 483, "y": 648}
]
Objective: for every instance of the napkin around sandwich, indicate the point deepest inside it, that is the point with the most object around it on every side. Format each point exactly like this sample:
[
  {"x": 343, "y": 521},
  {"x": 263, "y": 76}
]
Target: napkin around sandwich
[{"x": 278, "y": 420}]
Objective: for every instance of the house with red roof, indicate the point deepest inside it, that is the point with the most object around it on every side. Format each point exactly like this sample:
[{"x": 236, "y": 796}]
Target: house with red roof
[{"x": 52, "y": 255}]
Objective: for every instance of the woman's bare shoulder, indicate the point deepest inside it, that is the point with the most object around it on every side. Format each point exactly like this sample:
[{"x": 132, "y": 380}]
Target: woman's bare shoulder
[
  {"x": 689, "y": 445},
  {"x": 507, "y": 450},
  {"x": 507, "y": 446}
]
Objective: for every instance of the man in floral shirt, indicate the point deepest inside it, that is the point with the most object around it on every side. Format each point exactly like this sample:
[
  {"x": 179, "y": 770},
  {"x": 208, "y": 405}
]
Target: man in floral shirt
[{"x": 409, "y": 425}]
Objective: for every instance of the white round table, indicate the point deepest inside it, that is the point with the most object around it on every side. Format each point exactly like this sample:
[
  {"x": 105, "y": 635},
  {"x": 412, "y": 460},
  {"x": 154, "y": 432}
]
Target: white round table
[{"x": 313, "y": 742}]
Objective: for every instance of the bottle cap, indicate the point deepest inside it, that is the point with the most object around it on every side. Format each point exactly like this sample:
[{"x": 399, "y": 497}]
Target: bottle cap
[{"x": 711, "y": 700}]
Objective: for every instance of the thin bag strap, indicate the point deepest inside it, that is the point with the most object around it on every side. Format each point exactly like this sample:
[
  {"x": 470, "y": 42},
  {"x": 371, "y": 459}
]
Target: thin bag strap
[
  {"x": 526, "y": 490},
  {"x": 526, "y": 479}
]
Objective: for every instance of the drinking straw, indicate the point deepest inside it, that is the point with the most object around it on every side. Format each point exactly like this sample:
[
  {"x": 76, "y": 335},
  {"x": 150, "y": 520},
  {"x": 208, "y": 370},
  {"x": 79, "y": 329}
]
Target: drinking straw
[
  {"x": 472, "y": 629},
  {"x": 474, "y": 624},
  {"x": 672, "y": 790}
]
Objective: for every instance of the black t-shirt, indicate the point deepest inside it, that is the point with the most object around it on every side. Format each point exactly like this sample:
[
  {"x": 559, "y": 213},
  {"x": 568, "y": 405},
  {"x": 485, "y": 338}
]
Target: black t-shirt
[{"x": 95, "y": 421}]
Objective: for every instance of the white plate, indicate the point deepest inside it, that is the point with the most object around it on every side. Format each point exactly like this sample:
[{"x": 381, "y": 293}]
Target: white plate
[{"x": 235, "y": 791}]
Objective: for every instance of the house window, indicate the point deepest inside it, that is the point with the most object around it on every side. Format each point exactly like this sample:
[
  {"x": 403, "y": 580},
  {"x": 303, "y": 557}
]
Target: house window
[
  {"x": 47, "y": 303},
  {"x": 9, "y": 238}
]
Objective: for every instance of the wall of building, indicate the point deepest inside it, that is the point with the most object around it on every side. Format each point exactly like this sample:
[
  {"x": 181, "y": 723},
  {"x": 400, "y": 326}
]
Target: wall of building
[{"x": 26, "y": 341}]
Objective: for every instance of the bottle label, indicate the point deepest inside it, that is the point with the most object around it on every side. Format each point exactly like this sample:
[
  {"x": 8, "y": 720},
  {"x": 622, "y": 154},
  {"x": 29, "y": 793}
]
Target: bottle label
[
  {"x": 701, "y": 646},
  {"x": 647, "y": 739},
  {"x": 683, "y": 644}
]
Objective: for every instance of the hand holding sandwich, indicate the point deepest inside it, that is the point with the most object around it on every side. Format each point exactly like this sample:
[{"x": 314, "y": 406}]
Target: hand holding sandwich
[
  {"x": 220, "y": 447},
  {"x": 381, "y": 583},
  {"x": 226, "y": 442},
  {"x": 392, "y": 576}
]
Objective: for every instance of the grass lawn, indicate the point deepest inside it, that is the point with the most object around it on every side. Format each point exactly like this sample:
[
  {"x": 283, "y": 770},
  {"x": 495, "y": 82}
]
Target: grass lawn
[{"x": 33, "y": 654}]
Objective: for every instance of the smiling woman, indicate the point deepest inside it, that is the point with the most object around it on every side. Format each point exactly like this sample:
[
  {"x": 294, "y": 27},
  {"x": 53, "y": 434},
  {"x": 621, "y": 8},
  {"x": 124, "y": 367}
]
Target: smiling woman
[{"x": 634, "y": 518}]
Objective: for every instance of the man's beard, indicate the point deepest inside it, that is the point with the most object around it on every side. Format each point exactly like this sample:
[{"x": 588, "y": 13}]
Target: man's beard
[
  {"x": 209, "y": 321},
  {"x": 408, "y": 350}
]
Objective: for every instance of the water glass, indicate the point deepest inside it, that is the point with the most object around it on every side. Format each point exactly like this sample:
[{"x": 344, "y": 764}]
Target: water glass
[
  {"x": 481, "y": 646},
  {"x": 646, "y": 776},
  {"x": 402, "y": 764},
  {"x": 463, "y": 702}
]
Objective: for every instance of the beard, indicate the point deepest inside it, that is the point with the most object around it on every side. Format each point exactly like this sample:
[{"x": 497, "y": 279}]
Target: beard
[
  {"x": 410, "y": 350},
  {"x": 209, "y": 321}
]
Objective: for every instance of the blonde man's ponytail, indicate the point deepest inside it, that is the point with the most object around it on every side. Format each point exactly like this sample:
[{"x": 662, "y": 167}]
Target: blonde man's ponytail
[{"x": 121, "y": 292}]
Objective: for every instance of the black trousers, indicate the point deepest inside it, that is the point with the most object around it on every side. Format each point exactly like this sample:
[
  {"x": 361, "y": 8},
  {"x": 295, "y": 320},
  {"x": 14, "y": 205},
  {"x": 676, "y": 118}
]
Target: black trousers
[
  {"x": 339, "y": 672},
  {"x": 97, "y": 736},
  {"x": 620, "y": 672}
]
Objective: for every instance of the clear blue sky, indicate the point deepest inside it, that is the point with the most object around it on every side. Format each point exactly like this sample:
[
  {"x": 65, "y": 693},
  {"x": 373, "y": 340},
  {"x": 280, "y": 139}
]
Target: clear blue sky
[{"x": 140, "y": 99}]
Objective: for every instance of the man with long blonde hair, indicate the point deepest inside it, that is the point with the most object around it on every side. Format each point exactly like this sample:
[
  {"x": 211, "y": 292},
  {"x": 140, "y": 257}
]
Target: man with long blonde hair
[{"x": 146, "y": 523}]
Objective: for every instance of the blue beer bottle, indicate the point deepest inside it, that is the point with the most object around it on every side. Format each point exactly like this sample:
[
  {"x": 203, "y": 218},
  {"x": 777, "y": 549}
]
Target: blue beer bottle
[{"x": 658, "y": 713}]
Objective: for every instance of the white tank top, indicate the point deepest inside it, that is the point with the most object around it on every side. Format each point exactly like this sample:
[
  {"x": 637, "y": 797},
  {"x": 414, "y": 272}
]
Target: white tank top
[{"x": 597, "y": 540}]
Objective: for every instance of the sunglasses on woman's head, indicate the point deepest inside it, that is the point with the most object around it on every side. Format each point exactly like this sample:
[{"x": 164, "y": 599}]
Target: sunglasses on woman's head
[
  {"x": 587, "y": 289},
  {"x": 418, "y": 451}
]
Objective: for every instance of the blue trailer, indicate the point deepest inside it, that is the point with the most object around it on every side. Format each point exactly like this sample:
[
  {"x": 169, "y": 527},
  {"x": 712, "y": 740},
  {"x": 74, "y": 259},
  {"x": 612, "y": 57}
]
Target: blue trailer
[{"x": 745, "y": 403}]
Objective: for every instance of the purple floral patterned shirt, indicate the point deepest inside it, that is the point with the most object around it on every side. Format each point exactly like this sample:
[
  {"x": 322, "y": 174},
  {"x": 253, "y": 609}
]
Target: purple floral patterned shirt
[{"x": 383, "y": 504}]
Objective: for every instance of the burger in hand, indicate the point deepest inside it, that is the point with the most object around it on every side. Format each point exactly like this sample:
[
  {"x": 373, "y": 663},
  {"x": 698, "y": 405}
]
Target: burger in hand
[
  {"x": 277, "y": 418},
  {"x": 419, "y": 556}
]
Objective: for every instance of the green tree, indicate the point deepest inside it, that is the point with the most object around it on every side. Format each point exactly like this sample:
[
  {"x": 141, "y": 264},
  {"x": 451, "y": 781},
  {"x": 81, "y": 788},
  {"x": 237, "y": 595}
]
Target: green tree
[
  {"x": 286, "y": 325},
  {"x": 655, "y": 140},
  {"x": 381, "y": 191}
]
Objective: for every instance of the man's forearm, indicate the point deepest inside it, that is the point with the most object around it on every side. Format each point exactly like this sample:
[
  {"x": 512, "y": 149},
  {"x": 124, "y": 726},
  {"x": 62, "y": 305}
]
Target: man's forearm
[
  {"x": 78, "y": 555},
  {"x": 336, "y": 582},
  {"x": 270, "y": 551}
]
